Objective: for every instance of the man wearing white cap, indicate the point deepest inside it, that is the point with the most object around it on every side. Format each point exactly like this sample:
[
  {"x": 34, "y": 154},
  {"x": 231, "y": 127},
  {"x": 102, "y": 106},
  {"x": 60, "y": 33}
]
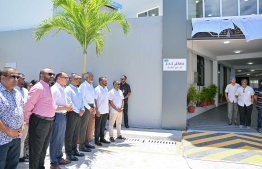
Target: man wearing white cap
[{"x": 232, "y": 100}]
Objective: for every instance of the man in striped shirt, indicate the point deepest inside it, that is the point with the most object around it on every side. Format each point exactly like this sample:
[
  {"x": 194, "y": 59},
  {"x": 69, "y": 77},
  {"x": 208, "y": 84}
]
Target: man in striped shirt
[{"x": 258, "y": 98}]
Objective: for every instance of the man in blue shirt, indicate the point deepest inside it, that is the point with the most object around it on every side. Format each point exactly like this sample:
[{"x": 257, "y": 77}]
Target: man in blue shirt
[
  {"x": 258, "y": 98},
  {"x": 74, "y": 97},
  {"x": 11, "y": 119}
]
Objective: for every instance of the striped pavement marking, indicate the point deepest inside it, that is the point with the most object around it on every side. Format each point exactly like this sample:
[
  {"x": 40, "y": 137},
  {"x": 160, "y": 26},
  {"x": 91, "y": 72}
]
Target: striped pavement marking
[
  {"x": 223, "y": 146},
  {"x": 254, "y": 159}
]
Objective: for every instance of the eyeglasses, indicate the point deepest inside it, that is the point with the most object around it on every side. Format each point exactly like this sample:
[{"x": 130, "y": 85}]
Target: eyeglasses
[
  {"x": 65, "y": 77},
  {"x": 122, "y": 79},
  {"x": 30, "y": 85},
  {"x": 12, "y": 76},
  {"x": 118, "y": 84},
  {"x": 50, "y": 74}
]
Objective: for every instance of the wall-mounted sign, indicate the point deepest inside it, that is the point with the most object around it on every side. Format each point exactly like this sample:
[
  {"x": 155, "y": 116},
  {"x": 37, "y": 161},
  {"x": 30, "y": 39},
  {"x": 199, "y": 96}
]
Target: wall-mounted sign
[
  {"x": 12, "y": 64},
  {"x": 174, "y": 64}
]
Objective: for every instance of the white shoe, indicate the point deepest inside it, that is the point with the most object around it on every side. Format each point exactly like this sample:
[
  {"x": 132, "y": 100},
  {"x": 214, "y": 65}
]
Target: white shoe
[
  {"x": 248, "y": 127},
  {"x": 241, "y": 126}
]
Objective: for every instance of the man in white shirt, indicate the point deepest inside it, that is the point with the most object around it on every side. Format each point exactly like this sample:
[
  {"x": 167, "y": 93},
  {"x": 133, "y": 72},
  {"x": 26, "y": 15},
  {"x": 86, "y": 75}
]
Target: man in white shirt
[
  {"x": 88, "y": 95},
  {"x": 59, "y": 127},
  {"x": 245, "y": 95},
  {"x": 232, "y": 100},
  {"x": 116, "y": 101},
  {"x": 102, "y": 110},
  {"x": 24, "y": 93}
]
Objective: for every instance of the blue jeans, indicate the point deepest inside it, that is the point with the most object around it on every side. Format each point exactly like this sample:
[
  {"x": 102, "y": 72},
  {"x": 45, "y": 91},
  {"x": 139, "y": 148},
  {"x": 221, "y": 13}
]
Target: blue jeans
[
  {"x": 10, "y": 153},
  {"x": 259, "y": 118},
  {"x": 57, "y": 139}
]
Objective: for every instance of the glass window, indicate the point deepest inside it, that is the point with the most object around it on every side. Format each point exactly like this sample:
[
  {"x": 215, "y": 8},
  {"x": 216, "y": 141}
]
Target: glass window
[
  {"x": 260, "y": 6},
  {"x": 195, "y": 9},
  {"x": 229, "y": 7},
  {"x": 212, "y": 8},
  {"x": 144, "y": 14},
  {"x": 248, "y": 7},
  {"x": 153, "y": 12},
  {"x": 201, "y": 71},
  {"x": 225, "y": 76}
]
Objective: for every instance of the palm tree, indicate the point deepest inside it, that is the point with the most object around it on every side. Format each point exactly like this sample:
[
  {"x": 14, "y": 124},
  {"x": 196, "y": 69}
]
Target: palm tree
[{"x": 85, "y": 21}]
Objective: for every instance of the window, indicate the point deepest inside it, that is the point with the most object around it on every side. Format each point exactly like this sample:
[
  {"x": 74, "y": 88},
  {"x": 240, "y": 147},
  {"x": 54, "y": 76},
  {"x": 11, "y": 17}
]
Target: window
[
  {"x": 212, "y": 8},
  {"x": 229, "y": 7},
  {"x": 200, "y": 71},
  {"x": 151, "y": 12},
  {"x": 248, "y": 7},
  {"x": 195, "y": 9},
  {"x": 260, "y": 6},
  {"x": 225, "y": 76}
]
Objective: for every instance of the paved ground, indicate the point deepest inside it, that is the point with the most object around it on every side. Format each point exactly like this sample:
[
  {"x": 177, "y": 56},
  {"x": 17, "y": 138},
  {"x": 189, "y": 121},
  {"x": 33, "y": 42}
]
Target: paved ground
[
  {"x": 216, "y": 120},
  {"x": 231, "y": 147}
]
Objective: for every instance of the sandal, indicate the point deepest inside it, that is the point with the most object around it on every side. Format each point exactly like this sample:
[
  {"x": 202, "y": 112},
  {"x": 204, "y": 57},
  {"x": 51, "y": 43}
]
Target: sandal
[
  {"x": 259, "y": 130},
  {"x": 112, "y": 139},
  {"x": 121, "y": 137},
  {"x": 236, "y": 123}
]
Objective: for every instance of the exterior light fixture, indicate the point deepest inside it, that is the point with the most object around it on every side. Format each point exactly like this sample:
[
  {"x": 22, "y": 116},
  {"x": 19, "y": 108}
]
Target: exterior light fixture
[
  {"x": 248, "y": 74},
  {"x": 197, "y": 1},
  {"x": 252, "y": 70},
  {"x": 226, "y": 42},
  {"x": 210, "y": 15},
  {"x": 250, "y": 63},
  {"x": 237, "y": 51}
]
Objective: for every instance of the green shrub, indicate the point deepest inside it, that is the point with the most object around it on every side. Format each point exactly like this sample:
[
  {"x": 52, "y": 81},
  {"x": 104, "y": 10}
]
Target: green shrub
[{"x": 192, "y": 95}]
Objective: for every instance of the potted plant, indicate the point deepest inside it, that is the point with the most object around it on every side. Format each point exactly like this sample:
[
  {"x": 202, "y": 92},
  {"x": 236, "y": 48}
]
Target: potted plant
[
  {"x": 213, "y": 92},
  {"x": 192, "y": 98},
  {"x": 204, "y": 96}
]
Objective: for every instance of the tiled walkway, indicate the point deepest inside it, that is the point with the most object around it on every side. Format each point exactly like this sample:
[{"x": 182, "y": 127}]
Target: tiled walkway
[{"x": 216, "y": 120}]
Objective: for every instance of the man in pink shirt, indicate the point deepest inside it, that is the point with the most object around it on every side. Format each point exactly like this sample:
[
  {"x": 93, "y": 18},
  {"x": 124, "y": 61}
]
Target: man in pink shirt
[{"x": 39, "y": 113}]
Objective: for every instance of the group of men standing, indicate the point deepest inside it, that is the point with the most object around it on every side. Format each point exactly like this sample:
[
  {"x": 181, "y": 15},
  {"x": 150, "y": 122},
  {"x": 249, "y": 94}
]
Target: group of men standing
[
  {"x": 240, "y": 103},
  {"x": 57, "y": 114}
]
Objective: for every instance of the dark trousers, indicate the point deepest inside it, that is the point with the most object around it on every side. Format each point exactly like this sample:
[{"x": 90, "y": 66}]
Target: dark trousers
[
  {"x": 72, "y": 132},
  {"x": 10, "y": 153},
  {"x": 259, "y": 118},
  {"x": 100, "y": 123},
  {"x": 86, "y": 121},
  {"x": 57, "y": 139},
  {"x": 125, "y": 114},
  {"x": 40, "y": 132},
  {"x": 245, "y": 114}
]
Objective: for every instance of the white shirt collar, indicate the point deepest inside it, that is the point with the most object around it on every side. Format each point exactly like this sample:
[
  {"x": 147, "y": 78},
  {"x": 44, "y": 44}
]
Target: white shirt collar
[{"x": 59, "y": 86}]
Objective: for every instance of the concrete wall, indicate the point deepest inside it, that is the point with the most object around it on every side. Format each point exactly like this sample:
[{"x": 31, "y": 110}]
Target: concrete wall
[
  {"x": 23, "y": 14},
  {"x": 132, "y": 7},
  {"x": 138, "y": 56}
]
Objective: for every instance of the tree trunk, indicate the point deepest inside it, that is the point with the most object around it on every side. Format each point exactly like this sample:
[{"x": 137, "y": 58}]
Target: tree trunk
[{"x": 84, "y": 63}]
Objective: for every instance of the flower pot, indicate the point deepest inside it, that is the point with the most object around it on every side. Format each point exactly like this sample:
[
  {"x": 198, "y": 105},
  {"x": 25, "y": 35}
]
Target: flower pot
[
  {"x": 212, "y": 102},
  {"x": 219, "y": 101},
  {"x": 224, "y": 100},
  {"x": 208, "y": 103},
  {"x": 191, "y": 109},
  {"x": 200, "y": 104},
  {"x": 205, "y": 103}
]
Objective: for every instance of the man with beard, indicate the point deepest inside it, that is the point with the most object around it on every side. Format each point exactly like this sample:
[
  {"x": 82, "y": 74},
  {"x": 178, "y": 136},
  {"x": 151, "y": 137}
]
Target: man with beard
[
  {"x": 24, "y": 93},
  {"x": 39, "y": 113},
  {"x": 102, "y": 110},
  {"x": 59, "y": 127},
  {"x": 11, "y": 118}
]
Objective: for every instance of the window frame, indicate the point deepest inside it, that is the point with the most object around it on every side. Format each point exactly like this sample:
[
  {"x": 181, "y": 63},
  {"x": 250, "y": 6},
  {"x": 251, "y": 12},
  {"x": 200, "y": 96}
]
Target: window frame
[
  {"x": 158, "y": 7},
  {"x": 202, "y": 66}
]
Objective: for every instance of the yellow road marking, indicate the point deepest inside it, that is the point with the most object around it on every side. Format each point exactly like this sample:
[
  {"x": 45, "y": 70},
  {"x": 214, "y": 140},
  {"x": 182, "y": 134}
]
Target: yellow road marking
[
  {"x": 254, "y": 159},
  {"x": 197, "y": 135},
  {"x": 218, "y": 138},
  {"x": 227, "y": 153},
  {"x": 186, "y": 132},
  {"x": 217, "y": 145}
]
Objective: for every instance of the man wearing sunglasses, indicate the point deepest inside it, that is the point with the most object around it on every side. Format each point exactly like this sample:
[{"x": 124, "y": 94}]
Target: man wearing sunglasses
[
  {"x": 116, "y": 101},
  {"x": 11, "y": 119},
  {"x": 24, "y": 93},
  {"x": 245, "y": 95},
  {"x": 74, "y": 97},
  {"x": 59, "y": 127},
  {"x": 125, "y": 88},
  {"x": 39, "y": 113}
]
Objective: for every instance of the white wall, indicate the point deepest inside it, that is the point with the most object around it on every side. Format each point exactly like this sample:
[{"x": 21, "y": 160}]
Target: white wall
[
  {"x": 138, "y": 56},
  {"x": 132, "y": 7},
  {"x": 23, "y": 14}
]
